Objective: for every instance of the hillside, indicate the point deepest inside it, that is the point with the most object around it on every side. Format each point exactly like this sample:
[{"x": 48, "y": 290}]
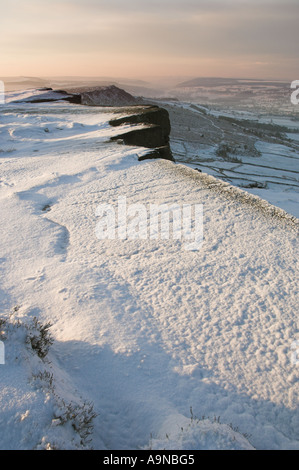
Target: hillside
[{"x": 140, "y": 341}]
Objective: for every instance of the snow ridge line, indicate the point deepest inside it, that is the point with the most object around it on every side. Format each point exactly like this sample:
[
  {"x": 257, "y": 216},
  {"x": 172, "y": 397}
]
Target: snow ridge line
[{"x": 239, "y": 195}]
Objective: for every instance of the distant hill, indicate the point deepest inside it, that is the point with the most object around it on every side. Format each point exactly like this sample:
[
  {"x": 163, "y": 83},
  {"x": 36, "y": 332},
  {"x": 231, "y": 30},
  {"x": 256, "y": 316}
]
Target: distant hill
[
  {"x": 22, "y": 83},
  {"x": 218, "y": 81},
  {"x": 208, "y": 82}
]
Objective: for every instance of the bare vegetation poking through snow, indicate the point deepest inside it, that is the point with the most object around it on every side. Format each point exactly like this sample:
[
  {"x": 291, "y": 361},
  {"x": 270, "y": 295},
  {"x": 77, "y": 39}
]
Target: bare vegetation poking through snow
[{"x": 62, "y": 422}]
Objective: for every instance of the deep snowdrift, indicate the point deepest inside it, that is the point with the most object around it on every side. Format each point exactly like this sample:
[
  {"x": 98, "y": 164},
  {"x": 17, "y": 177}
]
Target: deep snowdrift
[{"x": 144, "y": 331}]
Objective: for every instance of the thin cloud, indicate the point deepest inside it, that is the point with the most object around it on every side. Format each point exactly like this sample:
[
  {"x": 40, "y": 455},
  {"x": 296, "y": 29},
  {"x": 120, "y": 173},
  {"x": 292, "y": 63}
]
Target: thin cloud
[{"x": 180, "y": 31}]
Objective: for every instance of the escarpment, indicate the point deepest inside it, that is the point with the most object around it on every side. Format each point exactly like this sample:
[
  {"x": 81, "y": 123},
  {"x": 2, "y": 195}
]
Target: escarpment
[
  {"x": 152, "y": 130},
  {"x": 149, "y": 125}
]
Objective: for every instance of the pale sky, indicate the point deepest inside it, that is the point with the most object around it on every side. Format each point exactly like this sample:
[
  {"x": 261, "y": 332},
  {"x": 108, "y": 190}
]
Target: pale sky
[{"x": 144, "y": 38}]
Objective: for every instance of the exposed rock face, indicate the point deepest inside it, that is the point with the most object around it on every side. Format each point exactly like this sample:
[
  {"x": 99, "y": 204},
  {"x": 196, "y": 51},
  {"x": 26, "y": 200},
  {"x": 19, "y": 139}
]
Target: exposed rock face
[
  {"x": 154, "y": 134},
  {"x": 152, "y": 115},
  {"x": 107, "y": 96},
  {"x": 159, "y": 152}
]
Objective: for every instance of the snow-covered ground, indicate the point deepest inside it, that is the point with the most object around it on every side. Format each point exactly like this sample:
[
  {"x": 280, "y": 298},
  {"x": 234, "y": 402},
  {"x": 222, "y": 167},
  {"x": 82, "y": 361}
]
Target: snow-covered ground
[{"x": 168, "y": 348}]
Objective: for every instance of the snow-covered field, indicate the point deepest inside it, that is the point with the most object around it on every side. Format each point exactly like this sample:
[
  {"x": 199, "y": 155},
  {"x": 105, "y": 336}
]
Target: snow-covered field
[{"x": 154, "y": 346}]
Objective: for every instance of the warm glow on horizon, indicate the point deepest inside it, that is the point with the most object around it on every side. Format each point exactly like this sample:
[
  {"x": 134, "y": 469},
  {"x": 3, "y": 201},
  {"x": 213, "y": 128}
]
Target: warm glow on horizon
[{"x": 227, "y": 38}]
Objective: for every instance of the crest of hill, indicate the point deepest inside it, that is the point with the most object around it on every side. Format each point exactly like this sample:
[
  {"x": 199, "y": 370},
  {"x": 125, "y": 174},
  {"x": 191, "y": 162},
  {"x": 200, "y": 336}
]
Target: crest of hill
[
  {"x": 208, "y": 82},
  {"x": 107, "y": 96}
]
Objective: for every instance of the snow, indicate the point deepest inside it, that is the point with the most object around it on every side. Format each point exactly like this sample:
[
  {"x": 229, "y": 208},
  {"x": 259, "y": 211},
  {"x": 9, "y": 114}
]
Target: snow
[
  {"x": 143, "y": 330},
  {"x": 190, "y": 434},
  {"x": 293, "y": 136},
  {"x": 34, "y": 94}
]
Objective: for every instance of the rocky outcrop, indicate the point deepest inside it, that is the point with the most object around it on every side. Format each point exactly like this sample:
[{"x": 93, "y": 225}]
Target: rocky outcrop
[
  {"x": 74, "y": 98},
  {"x": 154, "y": 134},
  {"x": 153, "y": 122},
  {"x": 152, "y": 115},
  {"x": 150, "y": 125},
  {"x": 98, "y": 96},
  {"x": 107, "y": 96}
]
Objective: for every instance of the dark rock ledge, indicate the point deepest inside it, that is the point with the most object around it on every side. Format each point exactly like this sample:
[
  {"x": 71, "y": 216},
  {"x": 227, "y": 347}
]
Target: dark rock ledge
[{"x": 153, "y": 135}]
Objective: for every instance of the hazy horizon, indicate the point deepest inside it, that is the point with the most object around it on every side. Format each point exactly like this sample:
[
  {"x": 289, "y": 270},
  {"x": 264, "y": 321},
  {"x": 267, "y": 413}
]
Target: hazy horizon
[
  {"x": 149, "y": 40},
  {"x": 142, "y": 78}
]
